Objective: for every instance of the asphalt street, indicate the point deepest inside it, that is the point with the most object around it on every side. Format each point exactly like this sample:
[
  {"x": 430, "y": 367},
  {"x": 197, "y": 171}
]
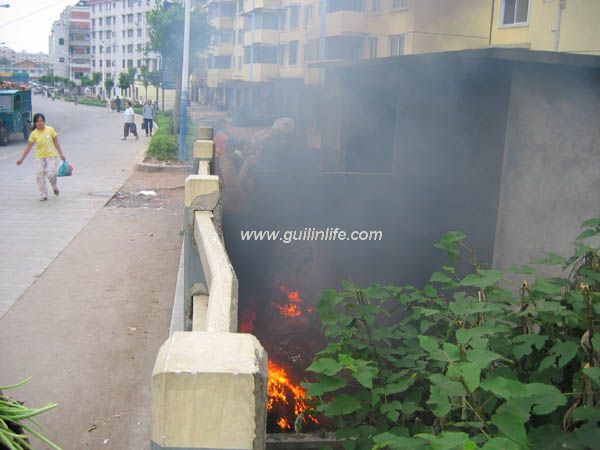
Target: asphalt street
[{"x": 34, "y": 232}]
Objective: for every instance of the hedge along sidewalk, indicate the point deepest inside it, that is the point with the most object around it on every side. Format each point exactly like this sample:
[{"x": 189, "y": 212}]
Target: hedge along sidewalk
[{"x": 166, "y": 139}]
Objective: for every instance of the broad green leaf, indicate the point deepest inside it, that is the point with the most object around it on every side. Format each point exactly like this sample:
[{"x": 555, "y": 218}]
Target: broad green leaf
[
  {"x": 467, "y": 336},
  {"x": 523, "y": 344},
  {"x": 399, "y": 386},
  {"x": 482, "y": 357},
  {"x": 594, "y": 374},
  {"x": 565, "y": 351},
  {"x": 593, "y": 222},
  {"x": 391, "y": 410},
  {"x": 482, "y": 280},
  {"x": 437, "y": 397},
  {"x": 447, "y": 440},
  {"x": 551, "y": 259},
  {"x": 448, "y": 386},
  {"x": 365, "y": 374},
  {"x": 328, "y": 366},
  {"x": 500, "y": 443},
  {"x": 432, "y": 346},
  {"x": 546, "y": 287},
  {"x": 505, "y": 387},
  {"x": 450, "y": 243},
  {"x": 470, "y": 373},
  {"x": 342, "y": 404},
  {"x": 586, "y": 235},
  {"x": 510, "y": 421},
  {"x": 390, "y": 441},
  {"x": 325, "y": 384},
  {"x": 522, "y": 270},
  {"x": 439, "y": 277},
  {"x": 545, "y": 398}
]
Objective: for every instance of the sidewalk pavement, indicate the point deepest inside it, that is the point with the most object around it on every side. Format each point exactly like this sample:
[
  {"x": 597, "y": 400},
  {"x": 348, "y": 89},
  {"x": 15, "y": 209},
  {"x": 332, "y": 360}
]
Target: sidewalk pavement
[{"x": 89, "y": 329}]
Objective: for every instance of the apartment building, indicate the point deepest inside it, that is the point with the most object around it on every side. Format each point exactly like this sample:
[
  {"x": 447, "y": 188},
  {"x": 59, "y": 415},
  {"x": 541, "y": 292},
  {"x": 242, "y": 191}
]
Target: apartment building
[
  {"x": 120, "y": 37},
  {"x": 69, "y": 42},
  {"x": 261, "y": 44}
]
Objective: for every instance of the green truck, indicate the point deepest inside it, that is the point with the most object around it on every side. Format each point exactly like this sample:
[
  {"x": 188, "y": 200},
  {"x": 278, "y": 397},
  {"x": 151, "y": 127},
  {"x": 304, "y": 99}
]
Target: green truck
[{"x": 15, "y": 113}]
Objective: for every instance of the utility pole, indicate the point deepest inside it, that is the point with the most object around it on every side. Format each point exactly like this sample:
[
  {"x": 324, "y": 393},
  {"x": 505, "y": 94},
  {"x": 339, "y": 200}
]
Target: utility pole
[
  {"x": 561, "y": 6},
  {"x": 185, "y": 81}
]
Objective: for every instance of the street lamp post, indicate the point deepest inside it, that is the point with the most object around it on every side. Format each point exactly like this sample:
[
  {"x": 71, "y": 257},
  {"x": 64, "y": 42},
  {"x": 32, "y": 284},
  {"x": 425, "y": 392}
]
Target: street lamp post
[{"x": 184, "y": 81}]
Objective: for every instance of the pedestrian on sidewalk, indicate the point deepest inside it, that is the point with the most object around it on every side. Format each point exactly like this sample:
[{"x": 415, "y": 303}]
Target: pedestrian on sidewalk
[
  {"x": 149, "y": 117},
  {"x": 118, "y": 104},
  {"x": 47, "y": 148},
  {"x": 129, "y": 122}
]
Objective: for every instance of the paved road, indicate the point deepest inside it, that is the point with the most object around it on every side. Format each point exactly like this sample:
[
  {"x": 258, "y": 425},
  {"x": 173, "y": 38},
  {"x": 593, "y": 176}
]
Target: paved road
[{"x": 34, "y": 232}]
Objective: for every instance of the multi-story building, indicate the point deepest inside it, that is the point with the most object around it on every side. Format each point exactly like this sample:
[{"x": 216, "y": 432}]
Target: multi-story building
[
  {"x": 260, "y": 44},
  {"x": 69, "y": 42},
  {"x": 120, "y": 37}
]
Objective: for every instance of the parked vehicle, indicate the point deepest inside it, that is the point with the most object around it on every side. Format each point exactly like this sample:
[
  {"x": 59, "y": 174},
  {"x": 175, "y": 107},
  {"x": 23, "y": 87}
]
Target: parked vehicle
[{"x": 15, "y": 113}]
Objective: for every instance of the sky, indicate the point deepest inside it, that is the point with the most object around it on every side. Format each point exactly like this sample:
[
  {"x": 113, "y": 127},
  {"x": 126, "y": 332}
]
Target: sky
[{"x": 32, "y": 23}]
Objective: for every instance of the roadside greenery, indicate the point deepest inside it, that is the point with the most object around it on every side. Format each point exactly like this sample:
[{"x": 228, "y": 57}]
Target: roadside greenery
[
  {"x": 163, "y": 145},
  {"x": 466, "y": 362},
  {"x": 17, "y": 423}
]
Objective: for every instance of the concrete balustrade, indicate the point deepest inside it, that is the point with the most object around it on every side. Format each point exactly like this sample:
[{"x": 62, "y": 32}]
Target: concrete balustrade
[{"x": 209, "y": 382}]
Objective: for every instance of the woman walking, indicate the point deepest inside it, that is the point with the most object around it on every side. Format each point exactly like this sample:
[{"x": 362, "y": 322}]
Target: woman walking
[
  {"x": 129, "y": 122},
  {"x": 47, "y": 148},
  {"x": 149, "y": 117}
]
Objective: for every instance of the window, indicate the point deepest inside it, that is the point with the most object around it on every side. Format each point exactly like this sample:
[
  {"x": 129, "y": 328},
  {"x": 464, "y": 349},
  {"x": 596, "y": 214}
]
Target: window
[
  {"x": 129, "y": 63},
  {"x": 139, "y": 63},
  {"x": 129, "y": 18},
  {"x": 240, "y": 6},
  {"x": 372, "y": 47},
  {"x": 239, "y": 62},
  {"x": 100, "y": 62},
  {"x": 108, "y": 49},
  {"x": 61, "y": 60},
  {"x": 139, "y": 32},
  {"x": 514, "y": 12},
  {"x": 280, "y": 55},
  {"x": 93, "y": 23},
  {"x": 130, "y": 48},
  {"x": 294, "y": 12},
  {"x": 139, "y": 48},
  {"x": 123, "y": 64},
  {"x": 375, "y": 6},
  {"x": 308, "y": 10},
  {"x": 108, "y": 63},
  {"x": 93, "y": 63},
  {"x": 101, "y": 49},
  {"x": 129, "y": 33},
  {"x": 139, "y": 18},
  {"x": 345, "y": 5},
  {"x": 240, "y": 36},
  {"x": 397, "y": 44},
  {"x": 100, "y": 21},
  {"x": 94, "y": 50},
  {"x": 61, "y": 41},
  {"x": 293, "y": 53},
  {"x": 399, "y": 4}
]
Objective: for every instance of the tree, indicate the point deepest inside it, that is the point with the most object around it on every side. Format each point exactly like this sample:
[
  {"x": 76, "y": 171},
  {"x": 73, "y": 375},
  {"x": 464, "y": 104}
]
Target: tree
[
  {"x": 145, "y": 72},
  {"x": 155, "y": 78},
  {"x": 86, "y": 81},
  {"x": 124, "y": 81},
  {"x": 109, "y": 83},
  {"x": 132, "y": 72},
  {"x": 96, "y": 79},
  {"x": 165, "y": 29}
]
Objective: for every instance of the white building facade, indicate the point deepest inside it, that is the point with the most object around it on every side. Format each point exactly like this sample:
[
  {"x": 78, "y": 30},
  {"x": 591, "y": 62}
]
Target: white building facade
[{"x": 119, "y": 34}]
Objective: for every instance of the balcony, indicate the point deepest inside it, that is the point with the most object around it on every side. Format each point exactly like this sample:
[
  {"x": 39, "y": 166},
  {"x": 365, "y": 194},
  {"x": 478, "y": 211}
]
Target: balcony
[
  {"x": 216, "y": 77},
  {"x": 291, "y": 72},
  {"x": 260, "y": 72},
  {"x": 342, "y": 23},
  {"x": 222, "y": 49},
  {"x": 261, "y": 4},
  {"x": 222, "y": 22},
  {"x": 261, "y": 36}
]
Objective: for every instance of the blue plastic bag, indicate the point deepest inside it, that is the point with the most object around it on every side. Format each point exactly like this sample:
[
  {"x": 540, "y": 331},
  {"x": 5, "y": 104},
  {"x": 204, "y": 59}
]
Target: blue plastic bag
[{"x": 64, "y": 170}]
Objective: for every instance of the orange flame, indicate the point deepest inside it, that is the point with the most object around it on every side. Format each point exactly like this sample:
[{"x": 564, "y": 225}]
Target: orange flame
[
  {"x": 290, "y": 310},
  {"x": 283, "y": 424},
  {"x": 247, "y": 321}
]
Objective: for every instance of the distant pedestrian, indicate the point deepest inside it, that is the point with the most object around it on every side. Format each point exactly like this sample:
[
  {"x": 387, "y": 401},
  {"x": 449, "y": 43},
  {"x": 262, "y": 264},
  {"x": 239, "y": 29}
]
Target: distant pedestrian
[
  {"x": 129, "y": 125},
  {"x": 149, "y": 117},
  {"x": 118, "y": 104},
  {"x": 47, "y": 148}
]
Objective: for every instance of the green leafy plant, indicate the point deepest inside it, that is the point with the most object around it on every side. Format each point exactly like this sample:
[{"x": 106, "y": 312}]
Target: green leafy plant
[
  {"x": 163, "y": 148},
  {"x": 472, "y": 360},
  {"x": 17, "y": 419}
]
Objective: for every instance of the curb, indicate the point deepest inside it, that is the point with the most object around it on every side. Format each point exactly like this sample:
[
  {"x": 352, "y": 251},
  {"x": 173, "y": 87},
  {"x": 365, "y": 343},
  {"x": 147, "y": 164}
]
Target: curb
[{"x": 149, "y": 167}]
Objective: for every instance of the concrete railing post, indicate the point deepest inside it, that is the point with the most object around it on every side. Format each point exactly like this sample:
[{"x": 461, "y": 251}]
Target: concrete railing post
[{"x": 209, "y": 383}]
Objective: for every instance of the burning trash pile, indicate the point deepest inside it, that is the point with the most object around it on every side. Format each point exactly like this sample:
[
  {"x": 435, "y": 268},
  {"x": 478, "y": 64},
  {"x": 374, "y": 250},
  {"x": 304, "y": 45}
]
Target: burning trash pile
[{"x": 287, "y": 405}]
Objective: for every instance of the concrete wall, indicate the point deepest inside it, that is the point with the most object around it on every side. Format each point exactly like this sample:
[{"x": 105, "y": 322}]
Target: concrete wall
[{"x": 551, "y": 173}]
